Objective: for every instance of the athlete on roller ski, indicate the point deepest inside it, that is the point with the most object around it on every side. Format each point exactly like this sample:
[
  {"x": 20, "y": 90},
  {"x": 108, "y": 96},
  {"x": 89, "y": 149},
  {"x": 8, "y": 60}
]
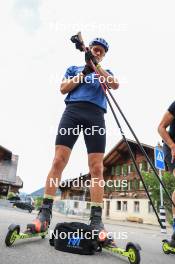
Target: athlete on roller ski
[{"x": 85, "y": 105}]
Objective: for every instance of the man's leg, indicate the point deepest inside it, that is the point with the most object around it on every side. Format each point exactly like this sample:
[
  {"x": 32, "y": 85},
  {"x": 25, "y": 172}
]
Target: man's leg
[
  {"x": 173, "y": 208},
  {"x": 62, "y": 154},
  {"x": 172, "y": 243},
  {"x": 171, "y": 168},
  {"x": 95, "y": 161},
  {"x": 41, "y": 223}
]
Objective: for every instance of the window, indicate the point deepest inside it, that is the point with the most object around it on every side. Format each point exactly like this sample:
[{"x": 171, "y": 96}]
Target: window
[
  {"x": 125, "y": 169},
  {"x": 136, "y": 207},
  {"x": 132, "y": 167},
  {"x": 76, "y": 204},
  {"x": 124, "y": 186},
  {"x": 118, "y": 170},
  {"x": 140, "y": 166},
  {"x": 129, "y": 169},
  {"x": 129, "y": 185},
  {"x": 135, "y": 184},
  {"x": 75, "y": 197},
  {"x": 118, "y": 205},
  {"x": 144, "y": 165},
  {"x": 125, "y": 206},
  {"x": 118, "y": 187},
  {"x": 150, "y": 208},
  {"x": 141, "y": 186},
  {"x": 113, "y": 171},
  {"x": 88, "y": 205}
]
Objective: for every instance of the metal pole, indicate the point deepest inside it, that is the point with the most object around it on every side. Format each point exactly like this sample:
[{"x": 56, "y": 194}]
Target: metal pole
[
  {"x": 162, "y": 208},
  {"x": 161, "y": 189}
]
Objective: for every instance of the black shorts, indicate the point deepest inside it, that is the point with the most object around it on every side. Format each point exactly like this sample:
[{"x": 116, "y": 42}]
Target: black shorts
[
  {"x": 168, "y": 158},
  {"x": 86, "y": 117}
]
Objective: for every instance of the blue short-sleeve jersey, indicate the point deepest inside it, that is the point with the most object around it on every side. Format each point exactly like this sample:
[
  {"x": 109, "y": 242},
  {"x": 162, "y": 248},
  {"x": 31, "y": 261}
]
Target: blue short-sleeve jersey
[{"x": 88, "y": 91}]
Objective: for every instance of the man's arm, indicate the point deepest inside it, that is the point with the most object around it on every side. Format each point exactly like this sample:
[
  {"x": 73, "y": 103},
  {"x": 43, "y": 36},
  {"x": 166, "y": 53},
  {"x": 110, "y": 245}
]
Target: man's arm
[
  {"x": 68, "y": 85},
  {"x": 165, "y": 122},
  {"x": 111, "y": 80}
]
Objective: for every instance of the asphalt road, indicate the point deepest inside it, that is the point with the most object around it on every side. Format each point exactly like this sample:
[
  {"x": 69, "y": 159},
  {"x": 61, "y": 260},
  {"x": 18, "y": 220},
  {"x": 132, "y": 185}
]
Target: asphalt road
[{"x": 39, "y": 251}]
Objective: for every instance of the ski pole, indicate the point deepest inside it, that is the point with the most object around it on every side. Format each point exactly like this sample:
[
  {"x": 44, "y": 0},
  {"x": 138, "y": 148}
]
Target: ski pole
[
  {"x": 134, "y": 161},
  {"x": 78, "y": 40},
  {"x": 141, "y": 147}
]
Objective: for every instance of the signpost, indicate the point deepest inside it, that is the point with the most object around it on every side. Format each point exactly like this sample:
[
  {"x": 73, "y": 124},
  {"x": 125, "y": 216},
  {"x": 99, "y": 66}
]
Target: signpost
[{"x": 160, "y": 165}]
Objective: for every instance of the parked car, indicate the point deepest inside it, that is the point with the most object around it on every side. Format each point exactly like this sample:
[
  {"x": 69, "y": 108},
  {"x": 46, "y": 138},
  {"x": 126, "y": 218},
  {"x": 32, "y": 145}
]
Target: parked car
[
  {"x": 25, "y": 203},
  {"x": 14, "y": 199}
]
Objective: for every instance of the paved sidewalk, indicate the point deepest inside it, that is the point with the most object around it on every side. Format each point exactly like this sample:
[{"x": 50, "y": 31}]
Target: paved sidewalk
[{"x": 116, "y": 222}]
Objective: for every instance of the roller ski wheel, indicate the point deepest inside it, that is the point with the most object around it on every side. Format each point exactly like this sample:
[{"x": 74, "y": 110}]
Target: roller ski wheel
[
  {"x": 167, "y": 247},
  {"x": 14, "y": 234},
  {"x": 132, "y": 251}
]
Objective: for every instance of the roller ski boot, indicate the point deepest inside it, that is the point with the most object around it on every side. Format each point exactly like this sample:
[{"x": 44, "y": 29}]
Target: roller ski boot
[
  {"x": 97, "y": 224},
  {"x": 169, "y": 246},
  {"x": 107, "y": 243},
  {"x": 42, "y": 222},
  {"x": 39, "y": 227}
]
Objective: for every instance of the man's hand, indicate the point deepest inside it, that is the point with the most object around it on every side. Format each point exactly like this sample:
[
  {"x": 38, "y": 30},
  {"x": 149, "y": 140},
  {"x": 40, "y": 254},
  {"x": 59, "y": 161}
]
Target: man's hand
[
  {"x": 89, "y": 56},
  {"x": 87, "y": 69},
  {"x": 173, "y": 153}
]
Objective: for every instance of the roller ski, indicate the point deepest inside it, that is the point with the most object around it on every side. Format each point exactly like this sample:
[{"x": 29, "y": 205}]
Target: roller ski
[
  {"x": 132, "y": 251},
  {"x": 106, "y": 242},
  {"x": 39, "y": 227},
  {"x": 169, "y": 246}
]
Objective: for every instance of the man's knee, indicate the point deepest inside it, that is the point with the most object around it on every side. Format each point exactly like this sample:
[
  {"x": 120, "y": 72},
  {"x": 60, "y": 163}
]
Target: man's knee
[
  {"x": 59, "y": 162},
  {"x": 96, "y": 168}
]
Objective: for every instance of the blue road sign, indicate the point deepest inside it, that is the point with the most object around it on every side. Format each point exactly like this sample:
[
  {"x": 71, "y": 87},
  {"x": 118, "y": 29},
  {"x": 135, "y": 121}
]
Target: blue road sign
[{"x": 159, "y": 158}]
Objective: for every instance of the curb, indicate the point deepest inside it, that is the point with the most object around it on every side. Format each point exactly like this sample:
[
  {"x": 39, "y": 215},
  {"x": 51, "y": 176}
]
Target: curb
[{"x": 115, "y": 222}]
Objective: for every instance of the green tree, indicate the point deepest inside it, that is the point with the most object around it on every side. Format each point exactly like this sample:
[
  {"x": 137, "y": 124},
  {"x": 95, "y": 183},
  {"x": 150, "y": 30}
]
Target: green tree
[
  {"x": 11, "y": 195},
  {"x": 38, "y": 202},
  {"x": 153, "y": 185}
]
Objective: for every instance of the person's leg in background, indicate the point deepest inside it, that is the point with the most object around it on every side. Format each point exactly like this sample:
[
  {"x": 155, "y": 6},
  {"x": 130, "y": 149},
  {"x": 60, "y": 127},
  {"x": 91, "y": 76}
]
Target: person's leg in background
[
  {"x": 172, "y": 243},
  {"x": 173, "y": 208},
  {"x": 171, "y": 169}
]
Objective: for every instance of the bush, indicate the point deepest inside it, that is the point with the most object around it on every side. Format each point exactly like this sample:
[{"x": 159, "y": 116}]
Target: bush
[
  {"x": 153, "y": 185},
  {"x": 38, "y": 202},
  {"x": 10, "y": 195}
]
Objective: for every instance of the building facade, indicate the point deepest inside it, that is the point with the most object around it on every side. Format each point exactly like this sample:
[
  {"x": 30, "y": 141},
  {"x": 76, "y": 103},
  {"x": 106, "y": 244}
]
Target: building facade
[
  {"x": 9, "y": 182},
  {"x": 124, "y": 195}
]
